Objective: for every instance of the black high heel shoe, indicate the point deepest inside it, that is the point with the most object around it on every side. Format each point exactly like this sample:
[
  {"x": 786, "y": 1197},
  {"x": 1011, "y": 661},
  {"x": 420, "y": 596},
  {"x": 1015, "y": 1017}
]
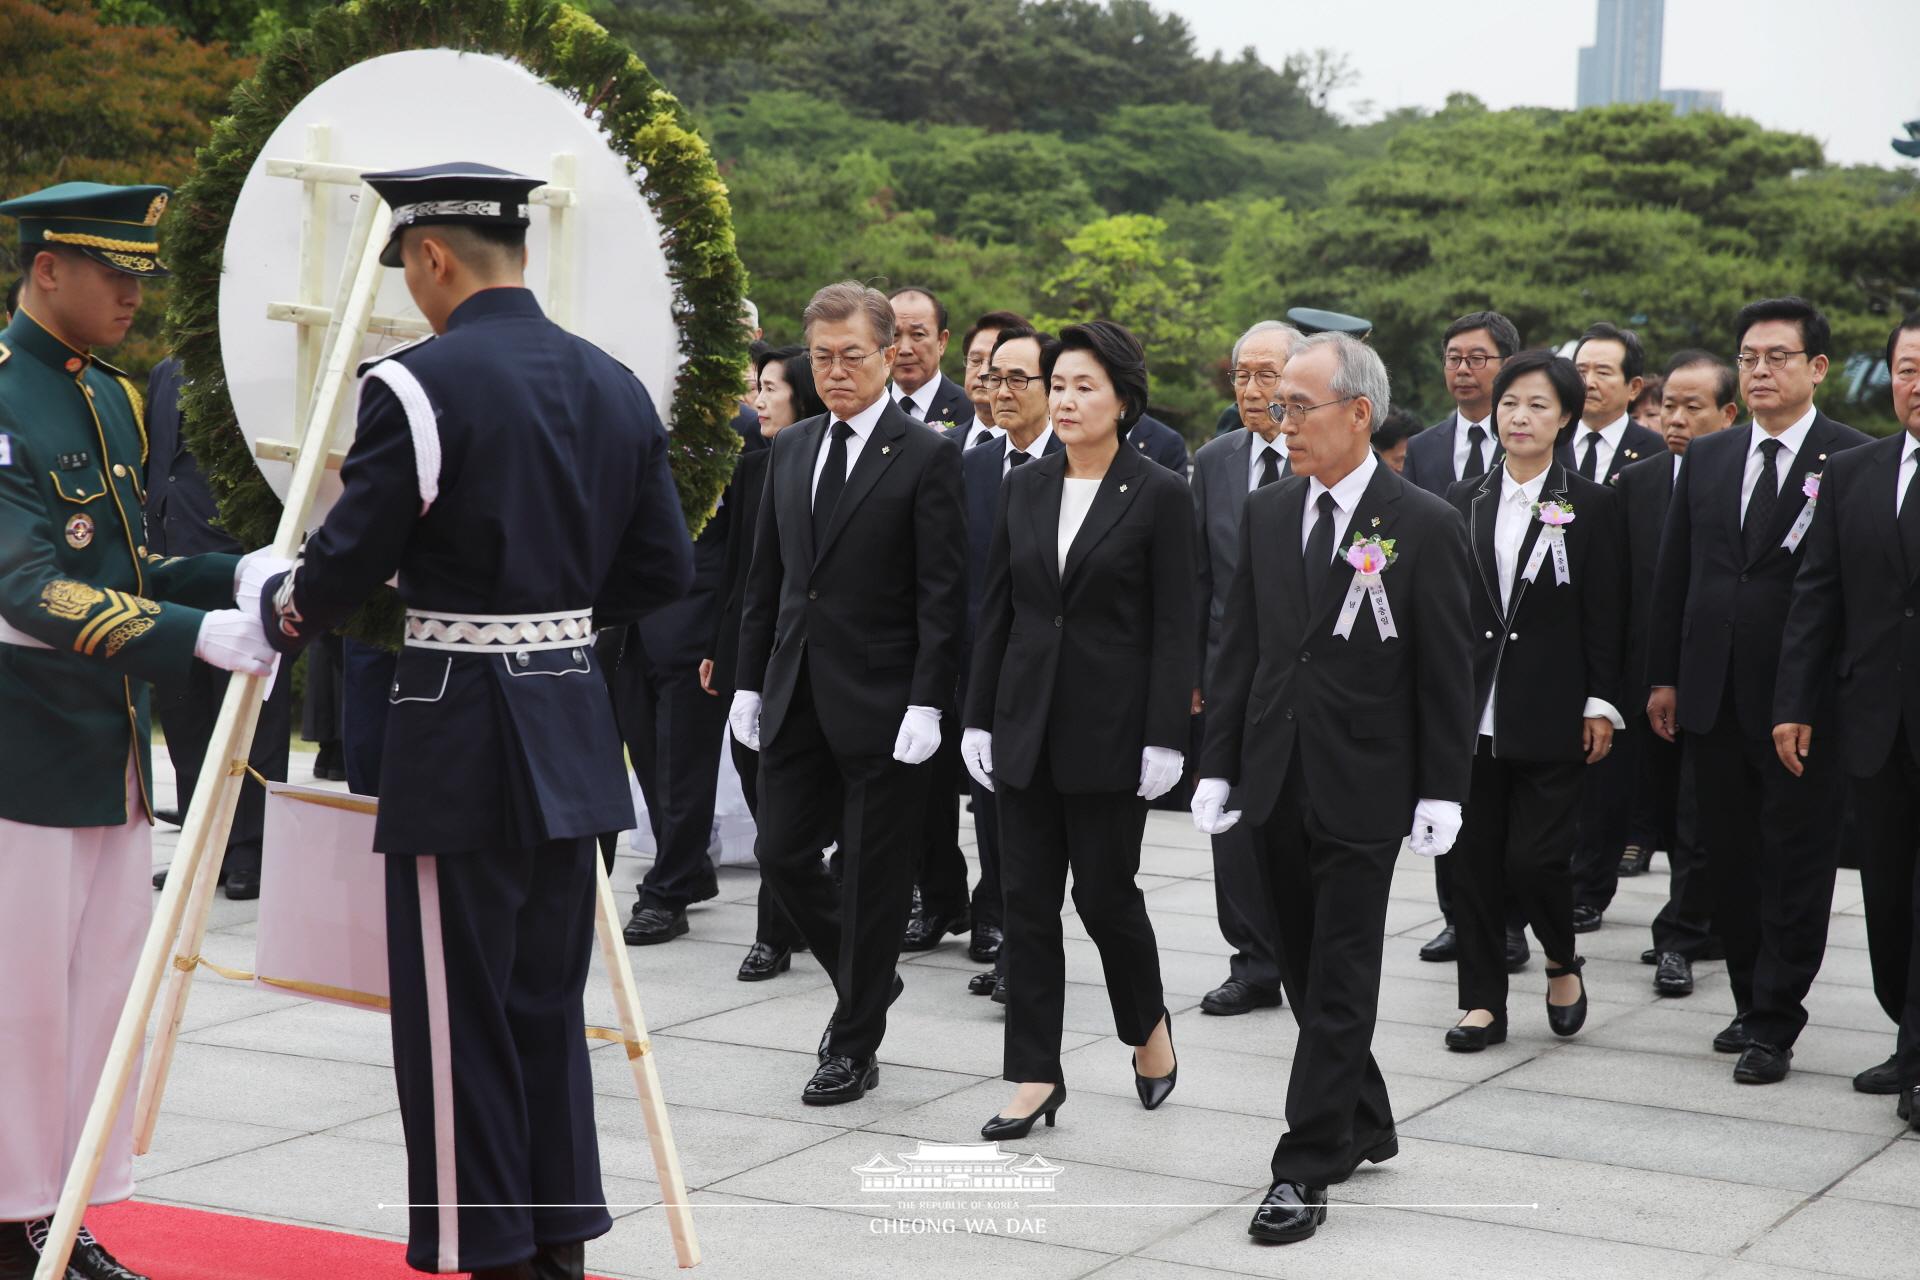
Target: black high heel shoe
[
  {"x": 1565, "y": 1019},
  {"x": 1153, "y": 1090},
  {"x": 1011, "y": 1127},
  {"x": 1464, "y": 1038}
]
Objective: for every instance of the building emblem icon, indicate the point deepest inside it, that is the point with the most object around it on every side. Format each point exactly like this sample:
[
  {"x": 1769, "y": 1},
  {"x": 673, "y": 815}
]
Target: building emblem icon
[{"x": 957, "y": 1166}]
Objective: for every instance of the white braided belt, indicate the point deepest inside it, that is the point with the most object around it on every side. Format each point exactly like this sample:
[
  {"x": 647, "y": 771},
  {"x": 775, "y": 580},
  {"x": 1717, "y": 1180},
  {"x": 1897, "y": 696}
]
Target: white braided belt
[{"x": 497, "y": 633}]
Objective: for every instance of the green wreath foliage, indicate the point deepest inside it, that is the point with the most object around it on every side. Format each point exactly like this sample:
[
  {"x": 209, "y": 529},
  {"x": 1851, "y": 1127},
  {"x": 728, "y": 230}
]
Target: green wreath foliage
[{"x": 644, "y": 123}]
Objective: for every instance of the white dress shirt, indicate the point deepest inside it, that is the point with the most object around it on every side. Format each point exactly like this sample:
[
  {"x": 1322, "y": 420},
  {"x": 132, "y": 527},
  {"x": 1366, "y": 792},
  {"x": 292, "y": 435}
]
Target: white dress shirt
[
  {"x": 1463, "y": 445},
  {"x": 1036, "y": 450},
  {"x": 1678, "y": 458},
  {"x": 1346, "y": 496},
  {"x": 862, "y": 423},
  {"x": 1909, "y": 459},
  {"x": 922, "y": 399},
  {"x": 1259, "y": 450},
  {"x": 1075, "y": 502},
  {"x": 1791, "y": 440},
  {"x": 1610, "y": 436}
]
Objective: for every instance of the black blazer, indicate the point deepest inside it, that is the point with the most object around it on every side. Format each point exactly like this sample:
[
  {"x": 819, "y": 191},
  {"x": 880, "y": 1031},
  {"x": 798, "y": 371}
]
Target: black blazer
[
  {"x": 1547, "y": 647},
  {"x": 1717, "y": 617},
  {"x": 873, "y": 615},
  {"x": 1377, "y": 724},
  {"x": 180, "y": 508},
  {"x": 1645, "y": 489},
  {"x": 980, "y": 470},
  {"x": 1637, "y": 444},
  {"x": 1858, "y": 597},
  {"x": 1430, "y": 456},
  {"x": 950, "y": 411},
  {"x": 1096, "y": 662},
  {"x": 743, "y": 499},
  {"x": 1154, "y": 439}
]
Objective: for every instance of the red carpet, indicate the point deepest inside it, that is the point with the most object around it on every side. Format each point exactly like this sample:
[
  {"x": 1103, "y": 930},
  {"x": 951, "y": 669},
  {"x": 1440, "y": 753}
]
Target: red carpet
[{"x": 169, "y": 1243}]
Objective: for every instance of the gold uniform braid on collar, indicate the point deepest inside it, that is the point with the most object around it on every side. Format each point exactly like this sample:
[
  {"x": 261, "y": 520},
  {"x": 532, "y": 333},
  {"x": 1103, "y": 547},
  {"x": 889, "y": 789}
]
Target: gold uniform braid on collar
[{"x": 139, "y": 404}]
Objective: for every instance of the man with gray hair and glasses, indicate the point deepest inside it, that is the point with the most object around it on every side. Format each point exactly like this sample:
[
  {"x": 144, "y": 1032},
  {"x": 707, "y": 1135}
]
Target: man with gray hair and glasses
[
  {"x": 1340, "y": 722},
  {"x": 1226, "y": 470}
]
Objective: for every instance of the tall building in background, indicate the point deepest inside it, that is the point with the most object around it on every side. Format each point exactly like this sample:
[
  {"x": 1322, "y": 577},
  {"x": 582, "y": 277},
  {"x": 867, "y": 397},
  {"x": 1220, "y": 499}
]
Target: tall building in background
[
  {"x": 1686, "y": 101},
  {"x": 1623, "y": 62}
]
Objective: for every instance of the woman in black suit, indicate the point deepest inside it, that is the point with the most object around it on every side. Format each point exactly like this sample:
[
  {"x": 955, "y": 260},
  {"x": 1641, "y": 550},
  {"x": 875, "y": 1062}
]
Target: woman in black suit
[
  {"x": 1077, "y": 708},
  {"x": 1548, "y": 616},
  {"x": 784, "y": 395}
]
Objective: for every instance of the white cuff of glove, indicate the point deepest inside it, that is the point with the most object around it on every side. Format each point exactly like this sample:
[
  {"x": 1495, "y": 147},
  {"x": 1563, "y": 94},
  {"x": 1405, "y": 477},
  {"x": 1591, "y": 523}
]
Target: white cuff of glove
[
  {"x": 1436, "y": 825},
  {"x": 976, "y": 752},
  {"x": 1210, "y": 813},
  {"x": 1159, "y": 769},
  {"x": 1600, "y": 708},
  {"x": 919, "y": 736},
  {"x": 743, "y": 717},
  {"x": 252, "y": 573},
  {"x": 234, "y": 641}
]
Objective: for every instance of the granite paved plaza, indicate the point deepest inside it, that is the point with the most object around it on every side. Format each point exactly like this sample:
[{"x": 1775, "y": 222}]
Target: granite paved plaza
[{"x": 1626, "y": 1152}]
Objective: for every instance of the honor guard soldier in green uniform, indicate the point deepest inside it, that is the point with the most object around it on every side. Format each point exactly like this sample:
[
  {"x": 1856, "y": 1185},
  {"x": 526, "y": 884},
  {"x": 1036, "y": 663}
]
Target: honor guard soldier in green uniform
[{"x": 87, "y": 618}]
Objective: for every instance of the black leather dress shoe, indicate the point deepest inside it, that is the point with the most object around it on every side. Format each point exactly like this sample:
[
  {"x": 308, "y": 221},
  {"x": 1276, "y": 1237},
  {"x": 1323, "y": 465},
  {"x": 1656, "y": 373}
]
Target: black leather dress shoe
[
  {"x": 1674, "y": 975},
  {"x": 982, "y": 984},
  {"x": 241, "y": 886},
  {"x": 1290, "y": 1212},
  {"x": 91, "y": 1260},
  {"x": 841, "y": 1079},
  {"x": 160, "y": 879},
  {"x": 827, "y": 1034},
  {"x": 1442, "y": 946},
  {"x": 764, "y": 960},
  {"x": 926, "y": 929},
  {"x": 1566, "y": 1019},
  {"x": 1762, "y": 1064},
  {"x": 1650, "y": 956},
  {"x": 1586, "y": 919},
  {"x": 1878, "y": 1079},
  {"x": 1517, "y": 953},
  {"x": 172, "y": 817},
  {"x": 1634, "y": 860},
  {"x": 1734, "y": 1038},
  {"x": 1012, "y": 1127},
  {"x": 1234, "y": 996},
  {"x": 19, "y": 1256},
  {"x": 1000, "y": 989},
  {"x": 560, "y": 1262},
  {"x": 1154, "y": 1090},
  {"x": 984, "y": 946},
  {"x": 518, "y": 1271},
  {"x": 1470, "y": 1039},
  {"x": 651, "y": 924},
  {"x": 1908, "y": 1108}
]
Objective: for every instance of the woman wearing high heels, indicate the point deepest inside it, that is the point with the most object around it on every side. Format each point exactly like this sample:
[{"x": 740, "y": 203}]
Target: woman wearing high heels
[
  {"x": 784, "y": 395},
  {"x": 1077, "y": 709},
  {"x": 1547, "y": 626}
]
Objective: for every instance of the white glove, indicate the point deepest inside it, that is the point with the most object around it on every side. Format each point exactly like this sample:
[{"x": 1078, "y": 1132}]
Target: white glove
[
  {"x": 1209, "y": 798},
  {"x": 919, "y": 735},
  {"x": 1159, "y": 770},
  {"x": 234, "y": 641},
  {"x": 252, "y": 573},
  {"x": 976, "y": 751},
  {"x": 744, "y": 718},
  {"x": 1436, "y": 825}
]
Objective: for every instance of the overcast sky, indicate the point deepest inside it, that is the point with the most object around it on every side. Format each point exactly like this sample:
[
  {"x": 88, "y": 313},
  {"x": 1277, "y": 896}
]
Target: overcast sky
[{"x": 1840, "y": 70}]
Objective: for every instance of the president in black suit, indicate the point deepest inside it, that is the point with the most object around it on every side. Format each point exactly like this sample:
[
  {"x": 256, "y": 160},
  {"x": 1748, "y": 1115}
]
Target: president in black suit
[
  {"x": 1341, "y": 713},
  {"x": 1856, "y": 603},
  {"x": 1077, "y": 710},
  {"x": 1727, "y": 561},
  {"x": 849, "y": 643}
]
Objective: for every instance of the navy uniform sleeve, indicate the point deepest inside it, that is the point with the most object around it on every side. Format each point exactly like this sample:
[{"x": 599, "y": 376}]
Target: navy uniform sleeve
[{"x": 654, "y": 565}]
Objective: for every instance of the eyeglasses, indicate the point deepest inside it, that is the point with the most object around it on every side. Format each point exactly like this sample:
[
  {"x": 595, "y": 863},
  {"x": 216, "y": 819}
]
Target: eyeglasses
[
  {"x": 1014, "y": 381},
  {"x": 1474, "y": 360},
  {"x": 1776, "y": 359},
  {"x": 1265, "y": 379},
  {"x": 824, "y": 362},
  {"x": 1297, "y": 413}
]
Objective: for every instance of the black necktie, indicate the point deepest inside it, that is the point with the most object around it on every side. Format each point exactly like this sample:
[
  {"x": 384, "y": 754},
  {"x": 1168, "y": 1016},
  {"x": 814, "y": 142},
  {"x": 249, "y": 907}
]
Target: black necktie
[
  {"x": 1766, "y": 495},
  {"x": 1319, "y": 553},
  {"x": 833, "y": 478},
  {"x": 1476, "y": 459},
  {"x": 1910, "y": 523},
  {"x": 1017, "y": 457},
  {"x": 1269, "y": 468},
  {"x": 906, "y": 405},
  {"x": 1591, "y": 463}
]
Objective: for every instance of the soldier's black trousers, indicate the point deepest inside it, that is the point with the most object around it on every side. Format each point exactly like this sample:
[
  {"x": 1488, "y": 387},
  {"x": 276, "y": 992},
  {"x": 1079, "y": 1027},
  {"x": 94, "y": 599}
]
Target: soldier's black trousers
[{"x": 487, "y": 955}]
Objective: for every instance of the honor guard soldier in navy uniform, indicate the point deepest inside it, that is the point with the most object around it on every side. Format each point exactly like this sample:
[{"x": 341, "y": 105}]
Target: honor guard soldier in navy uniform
[
  {"x": 88, "y": 616},
  {"x": 516, "y": 478}
]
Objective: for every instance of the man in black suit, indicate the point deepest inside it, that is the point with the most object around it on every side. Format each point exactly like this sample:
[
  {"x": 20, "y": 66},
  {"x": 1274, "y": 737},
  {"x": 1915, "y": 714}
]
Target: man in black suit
[
  {"x": 1155, "y": 439},
  {"x": 180, "y": 514},
  {"x": 977, "y": 347},
  {"x": 1338, "y": 739},
  {"x": 1461, "y": 445},
  {"x": 1855, "y": 601},
  {"x": 1720, "y": 594},
  {"x": 1700, "y": 395},
  {"x": 919, "y": 389},
  {"x": 849, "y": 645}
]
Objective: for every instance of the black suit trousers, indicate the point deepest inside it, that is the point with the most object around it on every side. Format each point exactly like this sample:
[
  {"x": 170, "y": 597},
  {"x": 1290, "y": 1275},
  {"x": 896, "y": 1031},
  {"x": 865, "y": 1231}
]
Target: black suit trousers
[
  {"x": 1519, "y": 816},
  {"x": 1605, "y": 820},
  {"x": 1685, "y": 922},
  {"x": 1886, "y": 834},
  {"x": 187, "y": 711},
  {"x": 1242, "y": 898},
  {"x": 1044, "y": 834},
  {"x": 942, "y": 870},
  {"x": 1771, "y": 841},
  {"x": 770, "y": 925},
  {"x": 809, "y": 795},
  {"x": 1330, "y": 899}
]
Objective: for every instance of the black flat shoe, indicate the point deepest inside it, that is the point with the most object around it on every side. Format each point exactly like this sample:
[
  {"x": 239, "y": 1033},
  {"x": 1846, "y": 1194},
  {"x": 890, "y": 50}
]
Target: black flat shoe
[
  {"x": 1882, "y": 1079},
  {"x": 650, "y": 925},
  {"x": 1674, "y": 975},
  {"x": 1000, "y": 988},
  {"x": 1634, "y": 860},
  {"x": 826, "y": 1035},
  {"x": 1021, "y": 1126},
  {"x": 841, "y": 1079},
  {"x": 1517, "y": 953},
  {"x": 1762, "y": 1064},
  {"x": 1464, "y": 1038},
  {"x": 1734, "y": 1038},
  {"x": 560, "y": 1262},
  {"x": 1586, "y": 919},
  {"x": 1443, "y": 946},
  {"x": 242, "y": 886},
  {"x": 1153, "y": 1090},
  {"x": 984, "y": 946},
  {"x": 1565, "y": 1019},
  {"x": 764, "y": 960},
  {"x": 982, "y": 984},
  {"x": 1234, "y": 997},
  {"x": 1291, "y": 1211}
]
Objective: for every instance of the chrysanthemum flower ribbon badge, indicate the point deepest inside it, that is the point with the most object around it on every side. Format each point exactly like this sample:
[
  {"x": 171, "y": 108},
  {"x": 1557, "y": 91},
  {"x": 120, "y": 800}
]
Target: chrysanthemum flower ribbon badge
[
  {"x": 1810, "y": 487},
  {"x": 1369, "y": 558},
  {"x": 1554, "y": 517}
]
